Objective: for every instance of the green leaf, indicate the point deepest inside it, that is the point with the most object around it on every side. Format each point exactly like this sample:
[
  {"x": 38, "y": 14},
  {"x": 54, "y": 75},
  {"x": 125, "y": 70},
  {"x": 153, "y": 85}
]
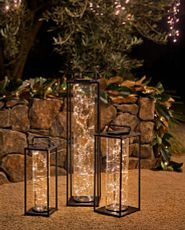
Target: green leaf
[
  {"x": 146, "y": 82},
  {"x": 104, "y": 97},
  {"x": 158, "y": 124},
  {"x": 164, "y": 97},
  {"x": 3, "y": 85},
  {"x": 163, "y": 111},
  {"x": 165, "y": 153},
  {"x": 176, "y": 166},
  {"x": 167, "y": 136},
  {"x": 159, "y": 139},
  {"x": 164, "y": 165},
  {"x": 123, "y": 90},
  {"x": 159, "y": 86}
]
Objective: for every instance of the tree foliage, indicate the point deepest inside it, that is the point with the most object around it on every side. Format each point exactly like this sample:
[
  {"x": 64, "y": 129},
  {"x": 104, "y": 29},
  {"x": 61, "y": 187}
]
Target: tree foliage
[
  {"x": 99, "y": 35},
  {"x": 19, "y": 27},
  {"x": 89, "y": 34}
]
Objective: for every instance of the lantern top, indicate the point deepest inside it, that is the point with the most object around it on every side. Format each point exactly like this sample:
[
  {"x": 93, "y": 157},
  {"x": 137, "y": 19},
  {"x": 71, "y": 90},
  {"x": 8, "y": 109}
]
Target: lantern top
[
  {"x": 115, "y": 134},
  {"x": 118, "y": 131},
  {"x": 41, "y": 143}
]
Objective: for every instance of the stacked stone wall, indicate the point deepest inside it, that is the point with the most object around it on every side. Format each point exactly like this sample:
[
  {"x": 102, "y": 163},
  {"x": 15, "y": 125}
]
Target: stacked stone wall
[{"x": 21, "y": 120}]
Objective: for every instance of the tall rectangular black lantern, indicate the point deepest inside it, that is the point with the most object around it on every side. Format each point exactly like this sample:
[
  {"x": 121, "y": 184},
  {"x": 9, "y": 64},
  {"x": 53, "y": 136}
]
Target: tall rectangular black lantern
[
  {"x": 40, "y": 177},
  {"x": 119, "y": 195},
  {"x": 82, "y": 123}
]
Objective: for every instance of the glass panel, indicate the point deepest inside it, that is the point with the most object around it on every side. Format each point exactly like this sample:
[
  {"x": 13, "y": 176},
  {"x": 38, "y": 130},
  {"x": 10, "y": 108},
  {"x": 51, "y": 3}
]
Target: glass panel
[
  {"x": 115, "y": 175},
  {"x": 83, "y": 129},
  {"x": 39, "y": 170}
]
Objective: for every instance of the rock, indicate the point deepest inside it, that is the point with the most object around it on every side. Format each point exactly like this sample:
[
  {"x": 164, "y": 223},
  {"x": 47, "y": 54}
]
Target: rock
[
  {"x": 13, "y": 165},
  {"x": 147, "y": 151},
  {"x": 5, "y": 118},
  {"x": 127, "y": 119},
  {"x": 3, "y": 178},
  {"x": 132, "y": 98},
  {"x": 147, "y": 131},
  {"x": 19, "y": 118},
  {"x": 43, "y": 112},
  {"x": 108, "y": 113},
  {"x": 133, "y": 163},
  {"x": 12, "y": 142},
  {"x": 147, "y": 163},
  {"x": 58, "y": 127},
  {"x": 13, "y": 102},
  {"x": 147, "y": 109},
  {"x": 134, "y": 149},
  {"x": 129, "y": 108}
]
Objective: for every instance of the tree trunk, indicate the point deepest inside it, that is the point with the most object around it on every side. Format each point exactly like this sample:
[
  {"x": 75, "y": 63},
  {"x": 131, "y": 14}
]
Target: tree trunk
[
  {"x": 18, "y": 66},
  {"x": 2, "y": 66}
]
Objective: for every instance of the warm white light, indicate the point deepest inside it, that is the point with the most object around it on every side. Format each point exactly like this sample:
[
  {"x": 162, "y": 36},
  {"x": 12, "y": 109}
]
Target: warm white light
[
  {"x": 173, "y": 20},
  {"x": 39, "y": 170},
  {"x": 118, "y": 6},
  {"x": 12, "y": 5},
  {"x": 83, "y": 142},
  {"x": 7, "y": 7},
  {"x": 113, "y": 174}
]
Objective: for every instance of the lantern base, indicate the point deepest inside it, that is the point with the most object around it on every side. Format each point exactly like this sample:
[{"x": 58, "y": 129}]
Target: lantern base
[
  {"x": 83, "y": 201},
  {"x": 116, "y": 208},
  {"x": 32, "y": 212},
  {"x": 105, "y": 211}
]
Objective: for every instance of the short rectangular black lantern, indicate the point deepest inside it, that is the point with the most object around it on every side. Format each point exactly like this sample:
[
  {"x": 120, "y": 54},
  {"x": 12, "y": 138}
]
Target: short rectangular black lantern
[
  {"x": 82, "y": 123},
  {"x": 40, "y": 177},
  {"x": 120, "y": 196}
]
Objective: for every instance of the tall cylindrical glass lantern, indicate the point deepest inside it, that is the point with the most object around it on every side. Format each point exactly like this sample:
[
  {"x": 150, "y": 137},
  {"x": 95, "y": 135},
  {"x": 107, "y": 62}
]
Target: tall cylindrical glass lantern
[
  {"x": 82, "y": 123},
  {"x": 116, "y": 163},
  {"x": 115, "y": 188},
  {"x": 40, "y": 182}
]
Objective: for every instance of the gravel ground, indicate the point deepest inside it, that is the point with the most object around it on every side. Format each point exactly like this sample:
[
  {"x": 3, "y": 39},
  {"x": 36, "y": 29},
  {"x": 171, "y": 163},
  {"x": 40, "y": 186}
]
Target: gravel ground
[{"x": 162, "y": 207}]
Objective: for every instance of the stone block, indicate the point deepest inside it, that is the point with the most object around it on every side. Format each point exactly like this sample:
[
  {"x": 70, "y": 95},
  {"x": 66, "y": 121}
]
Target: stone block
[
  {"x": 3, "y": 178},
  {"x": 129, "y": 108},
  {"x": 147, "y": 109},
  {"x": 147, "y": 131},
  {"x": 5, "y": 121},
  {"x": 12, "y": 142},
  {"x": 127, "y": 119},
  {"x": 58, "y": 127},
  {"x": 108, "y": 113},
  {"x": 43, "y": 112},
  {"x": 19, "y": 118},
  {"x": 13, "y": 165}
]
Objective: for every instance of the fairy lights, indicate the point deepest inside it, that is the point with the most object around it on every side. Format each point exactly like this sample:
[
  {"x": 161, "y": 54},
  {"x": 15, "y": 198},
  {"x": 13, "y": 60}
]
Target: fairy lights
[
  {"x": 173, "y": 20},
  {"x": 83, "y": 140},
  {"x": 12, "y": 5},
  {"x": 118, "y": 7},
  {"x": 113, "y": 169},
  {"x": 39, "y": 169}
]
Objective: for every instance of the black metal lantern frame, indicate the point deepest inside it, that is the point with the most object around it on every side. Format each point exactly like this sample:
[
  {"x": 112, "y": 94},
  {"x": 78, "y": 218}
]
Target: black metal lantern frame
[
  {"x": 114, "y": 184},
  {"x": 40, "y": 198},
  {"x": 82, "y": 123}
]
